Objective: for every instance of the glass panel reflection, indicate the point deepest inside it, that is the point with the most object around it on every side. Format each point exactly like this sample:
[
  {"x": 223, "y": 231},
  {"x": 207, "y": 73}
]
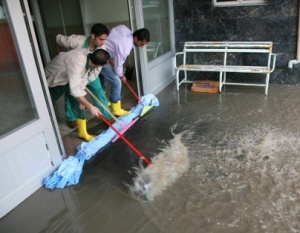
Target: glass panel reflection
[
  {"x": 17, "y": 108},
  {"x": 60, "y": 17},
  {"x": 157, "y": 21}
]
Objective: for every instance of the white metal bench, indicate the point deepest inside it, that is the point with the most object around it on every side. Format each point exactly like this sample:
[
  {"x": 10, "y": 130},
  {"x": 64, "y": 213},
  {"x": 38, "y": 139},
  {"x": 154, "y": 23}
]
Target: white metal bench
[{"x": 225, "y": 57}]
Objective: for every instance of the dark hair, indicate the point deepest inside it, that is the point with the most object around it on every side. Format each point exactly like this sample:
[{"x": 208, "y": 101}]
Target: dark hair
[
  {"x": 142, "y": 34},
  {"x": 99, "y": 29},
  {"x": 100, "y": 57}
]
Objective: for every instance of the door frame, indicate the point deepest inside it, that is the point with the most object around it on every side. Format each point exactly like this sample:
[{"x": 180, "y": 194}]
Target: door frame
[
  {"x": 23, "y": 170},
  {"x": 43, "y": 80},
  {"x": 40, "y": 30}
]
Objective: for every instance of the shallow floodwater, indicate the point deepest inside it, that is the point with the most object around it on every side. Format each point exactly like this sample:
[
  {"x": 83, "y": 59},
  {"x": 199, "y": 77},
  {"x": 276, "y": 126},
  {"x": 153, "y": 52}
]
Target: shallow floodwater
[{"x": 243, "y": 176}]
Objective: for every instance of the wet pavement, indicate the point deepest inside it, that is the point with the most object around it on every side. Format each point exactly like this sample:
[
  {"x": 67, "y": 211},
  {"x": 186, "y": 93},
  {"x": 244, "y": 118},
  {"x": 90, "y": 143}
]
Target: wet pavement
[{"x": 244, "y": 172}]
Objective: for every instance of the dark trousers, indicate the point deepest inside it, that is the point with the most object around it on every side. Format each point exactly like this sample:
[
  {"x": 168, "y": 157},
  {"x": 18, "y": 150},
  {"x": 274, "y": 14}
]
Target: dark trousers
[{"x": 58, "y": 91}]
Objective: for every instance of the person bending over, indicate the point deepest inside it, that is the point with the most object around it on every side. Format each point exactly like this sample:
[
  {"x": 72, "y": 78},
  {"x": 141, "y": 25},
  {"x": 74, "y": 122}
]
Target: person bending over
[
  {"x": 119, "y": 44},
  {"x": 97, "y": 38},
  {"x": 70, "y": 72}
]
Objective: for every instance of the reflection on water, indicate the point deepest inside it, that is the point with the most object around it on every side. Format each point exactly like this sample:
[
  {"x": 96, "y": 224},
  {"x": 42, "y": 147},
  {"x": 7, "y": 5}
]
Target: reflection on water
[
  {"x": 238, "y": 182},
  {"x": 244, "y": 168}
]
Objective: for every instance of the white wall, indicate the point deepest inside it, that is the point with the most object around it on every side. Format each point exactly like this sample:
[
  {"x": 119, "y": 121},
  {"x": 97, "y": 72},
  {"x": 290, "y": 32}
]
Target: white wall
[{"x": 103, "y": 11}]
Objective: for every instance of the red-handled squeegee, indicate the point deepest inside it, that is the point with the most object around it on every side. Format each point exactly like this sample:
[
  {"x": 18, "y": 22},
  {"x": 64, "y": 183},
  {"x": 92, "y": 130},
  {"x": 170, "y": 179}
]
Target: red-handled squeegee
[
  {"x": 125, "y": 140},
  {"x": 145, "y": 108}
]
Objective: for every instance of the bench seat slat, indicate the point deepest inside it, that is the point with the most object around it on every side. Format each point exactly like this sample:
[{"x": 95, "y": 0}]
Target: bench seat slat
[
  {"x": 222, "y": 50},
  {"x": 221, "y": 68},
  {"x": 230, "y": 44}
]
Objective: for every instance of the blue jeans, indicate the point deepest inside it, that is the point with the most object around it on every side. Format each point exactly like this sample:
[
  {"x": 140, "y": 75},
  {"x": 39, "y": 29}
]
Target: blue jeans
[{"x": 108, "y": 75}]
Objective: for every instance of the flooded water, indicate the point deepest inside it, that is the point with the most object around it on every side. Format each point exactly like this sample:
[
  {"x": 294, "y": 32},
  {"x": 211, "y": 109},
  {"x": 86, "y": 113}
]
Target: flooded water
[
  {"x": 244, "y": 166},
  {"x": 243, "y": 175}
]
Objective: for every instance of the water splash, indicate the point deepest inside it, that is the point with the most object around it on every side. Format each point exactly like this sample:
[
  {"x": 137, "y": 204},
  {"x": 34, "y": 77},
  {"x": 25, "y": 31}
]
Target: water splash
[{"x": 166, "y": 168}]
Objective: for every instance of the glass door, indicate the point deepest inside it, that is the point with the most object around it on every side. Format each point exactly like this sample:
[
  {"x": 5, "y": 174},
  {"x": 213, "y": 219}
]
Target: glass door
[
  {"x": 56, "y": 17},
  {"x": 14, "y": 93},
  {"x": 157, "y": 67},
  {"x": 29, "y": 146},
  {"x": 157, "y": 20}
]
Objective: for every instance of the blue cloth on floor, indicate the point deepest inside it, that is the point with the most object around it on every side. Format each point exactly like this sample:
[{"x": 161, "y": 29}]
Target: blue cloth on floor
[{"x": 70, "y": 169}]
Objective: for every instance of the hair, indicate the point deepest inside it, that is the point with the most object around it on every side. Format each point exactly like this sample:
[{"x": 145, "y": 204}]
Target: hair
[
  {"x": 99, "y": 29},
  {"x": 100, "y": 57},
  {"x": 142, "y": 34}
]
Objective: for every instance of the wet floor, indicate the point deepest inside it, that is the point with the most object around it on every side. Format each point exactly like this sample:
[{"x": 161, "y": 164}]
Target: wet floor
[{"x": 244, "y": 173}]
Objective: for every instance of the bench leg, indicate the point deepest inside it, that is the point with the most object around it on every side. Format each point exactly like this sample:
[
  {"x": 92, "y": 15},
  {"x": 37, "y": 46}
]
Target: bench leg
[
  {"x": 267, "y": 83},
  {"x": 220, "y": 81},
  {"x": 177, "y": 80}
]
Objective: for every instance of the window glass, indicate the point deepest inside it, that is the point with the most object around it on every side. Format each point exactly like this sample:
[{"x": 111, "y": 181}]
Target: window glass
[
  {"x": 60, "y": 17},
  {"x": 157, "y": 21},
  {"x": 17, "y": 108}
]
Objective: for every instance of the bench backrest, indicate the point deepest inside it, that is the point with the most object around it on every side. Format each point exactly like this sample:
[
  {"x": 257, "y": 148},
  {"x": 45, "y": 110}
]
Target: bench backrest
[
  {"x": 229, "y": 46},
  {"x": 229, "y": 49}
]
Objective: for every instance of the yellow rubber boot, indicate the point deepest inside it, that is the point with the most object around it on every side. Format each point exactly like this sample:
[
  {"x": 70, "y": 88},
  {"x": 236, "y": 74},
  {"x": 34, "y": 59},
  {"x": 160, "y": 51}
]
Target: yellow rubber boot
[
  {"x": 117, "y": 110},
  {"x": 82, "y": 133}
]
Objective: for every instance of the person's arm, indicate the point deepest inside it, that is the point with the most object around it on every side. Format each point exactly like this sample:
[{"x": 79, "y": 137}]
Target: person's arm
[
  {"x": 94, "y": 73},
  {"x": 94, "y": 110},
  {"x": 123, "y": 78},
  {"x": 111, "y": 61},
  {"x": 118, "y": 65},
  {"x": 76, "y": 69},
  {"x": 70, "y": 42},
  {"x": 58, "y": 48}
]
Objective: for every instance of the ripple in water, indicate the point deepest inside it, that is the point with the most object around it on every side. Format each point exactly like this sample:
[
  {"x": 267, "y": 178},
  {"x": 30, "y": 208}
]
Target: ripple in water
[{"x": 245, "y": 181}]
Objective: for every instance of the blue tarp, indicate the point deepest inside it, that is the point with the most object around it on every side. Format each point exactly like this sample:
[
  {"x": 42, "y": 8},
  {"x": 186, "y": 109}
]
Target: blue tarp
[{"x": 70, "y": 169}]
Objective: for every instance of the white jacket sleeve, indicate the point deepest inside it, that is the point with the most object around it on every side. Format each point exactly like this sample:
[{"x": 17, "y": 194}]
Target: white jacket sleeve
[
  {"x": 70, "y": 42},
  {"x": 94, "y": 73}
]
